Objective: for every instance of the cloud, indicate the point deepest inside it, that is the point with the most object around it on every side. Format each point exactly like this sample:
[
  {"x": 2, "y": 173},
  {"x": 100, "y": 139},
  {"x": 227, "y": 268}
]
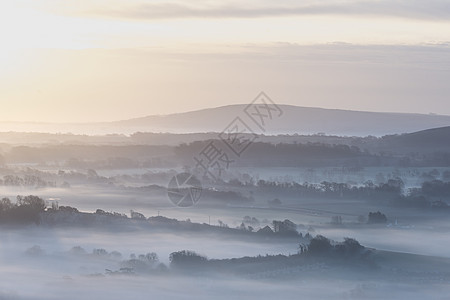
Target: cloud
[{"x": 411, "y": 9}]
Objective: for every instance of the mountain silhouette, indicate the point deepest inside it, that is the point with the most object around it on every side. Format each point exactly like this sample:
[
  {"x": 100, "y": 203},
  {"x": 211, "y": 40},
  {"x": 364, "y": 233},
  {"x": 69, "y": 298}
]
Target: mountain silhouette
[{"x": 295, "y": 119}]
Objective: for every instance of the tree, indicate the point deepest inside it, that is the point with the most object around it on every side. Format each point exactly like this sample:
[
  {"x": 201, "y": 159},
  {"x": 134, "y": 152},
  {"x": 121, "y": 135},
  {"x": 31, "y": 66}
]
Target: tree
[
  {"x": 136, "y": 215},
  {"x": 349, "y": 247},
  {"x": 377, "y": 218},
  {"x": 319, "y": 245},
  {"x": 152, "y": 257},
  {"x": 5, "y": 205},
  {"x": 26, "y": 210},
  {"x": 302, "y": 248},
  {"x": 149, "y": 258},
  {"x": 186, "y": 257},
  {"x": 99, "y": 252},
  {"x": 34, "y": 202}
]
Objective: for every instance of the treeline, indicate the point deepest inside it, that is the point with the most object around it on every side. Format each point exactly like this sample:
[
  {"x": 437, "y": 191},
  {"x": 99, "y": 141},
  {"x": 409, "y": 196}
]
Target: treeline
[
  {"x": 143, "y": 156},
  {"x": 316, "y": 248},
  {"x": 284, "y": 154},
  {"x": 26, "y": 180},
  {"x": 33, "y": 209},
  {"x": 136, "y": 264},
  {"x": 435, "y": 188},
  {"x": 92, "y": 156},
  {"x": 432, "y": 194},
  {"x": 317, "y": 154},
  {"x": 311, "y": 250},
  {"x": 262, "y": 154},
  {"x": 24, "y": 211}
]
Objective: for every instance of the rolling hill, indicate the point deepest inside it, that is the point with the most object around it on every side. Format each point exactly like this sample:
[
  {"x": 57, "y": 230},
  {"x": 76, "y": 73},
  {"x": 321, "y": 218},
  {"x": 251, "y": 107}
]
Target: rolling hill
[{"x": 294, "y": 119}]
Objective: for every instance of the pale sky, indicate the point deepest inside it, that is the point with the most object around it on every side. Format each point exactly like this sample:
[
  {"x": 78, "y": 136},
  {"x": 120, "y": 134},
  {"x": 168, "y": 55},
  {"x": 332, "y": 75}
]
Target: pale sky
[{"x": 77, "y": 61}]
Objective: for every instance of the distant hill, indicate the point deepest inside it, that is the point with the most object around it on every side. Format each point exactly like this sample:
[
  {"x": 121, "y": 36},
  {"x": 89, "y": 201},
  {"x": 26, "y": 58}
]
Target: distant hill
[
  {"x": 294, "y": 119},
  {"x": 435, "y": 139}
]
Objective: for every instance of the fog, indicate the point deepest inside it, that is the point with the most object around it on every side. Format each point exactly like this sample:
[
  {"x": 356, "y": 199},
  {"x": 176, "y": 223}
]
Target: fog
[
  {"x": 56, "y": 272},
  {"x": 39, "y": 262},
  {"x": 222, "y": 150},
  {"x": 311, "y": 216}
]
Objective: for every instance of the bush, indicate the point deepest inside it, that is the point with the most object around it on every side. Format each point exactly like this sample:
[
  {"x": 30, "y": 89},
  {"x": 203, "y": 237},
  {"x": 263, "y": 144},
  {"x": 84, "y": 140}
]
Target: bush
[
  {"x": 349, "y": 247},
  {"x": 319, "y": 245},
  {"x": 186, "y": 257},
  {"x": 377, "y": 218}
]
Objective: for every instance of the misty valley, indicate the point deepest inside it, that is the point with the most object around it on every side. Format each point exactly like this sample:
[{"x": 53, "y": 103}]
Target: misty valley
[
  {"x": 95, "y": 216},
  {"x": 217, "y": 149}
]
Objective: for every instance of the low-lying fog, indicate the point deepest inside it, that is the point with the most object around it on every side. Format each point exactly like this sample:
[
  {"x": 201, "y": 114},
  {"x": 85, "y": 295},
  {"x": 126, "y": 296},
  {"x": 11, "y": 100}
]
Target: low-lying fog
[
  {"x": 421, "y": 236},
  {"x": 53, "y": 241},
  {"x": 47, "y": 286},
  {"x": 37, "y": 262},
  {"x": 54, "y": 271}
]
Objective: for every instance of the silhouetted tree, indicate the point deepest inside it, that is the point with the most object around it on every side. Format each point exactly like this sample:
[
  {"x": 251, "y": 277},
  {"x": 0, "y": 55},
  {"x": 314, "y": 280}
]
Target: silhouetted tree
[
  {"x": 376, "y": 218},
  {"x": 319, "y": 245},
  {"x": 186, "y": 258},
  {"x": 348, "y": 247}
]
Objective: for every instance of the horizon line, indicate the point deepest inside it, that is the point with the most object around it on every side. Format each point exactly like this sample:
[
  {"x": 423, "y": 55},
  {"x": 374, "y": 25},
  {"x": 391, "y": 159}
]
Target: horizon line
[{"x": 217, "y": 107}]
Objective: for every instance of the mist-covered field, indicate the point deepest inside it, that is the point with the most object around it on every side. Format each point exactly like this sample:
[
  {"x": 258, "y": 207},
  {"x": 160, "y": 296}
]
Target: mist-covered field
[
  {"x": 173, "y": 149},
  {"x": 97, "y": 225}
]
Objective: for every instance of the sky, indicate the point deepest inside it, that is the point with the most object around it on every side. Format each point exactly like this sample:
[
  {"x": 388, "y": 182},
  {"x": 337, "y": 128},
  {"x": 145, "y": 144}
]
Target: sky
[{"x": 98, "y": 60}]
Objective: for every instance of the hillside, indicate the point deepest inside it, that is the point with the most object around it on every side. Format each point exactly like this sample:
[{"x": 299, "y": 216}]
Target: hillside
[
  {"x": 435, "y": 139},
  {"x": 294, "y": 120}
]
